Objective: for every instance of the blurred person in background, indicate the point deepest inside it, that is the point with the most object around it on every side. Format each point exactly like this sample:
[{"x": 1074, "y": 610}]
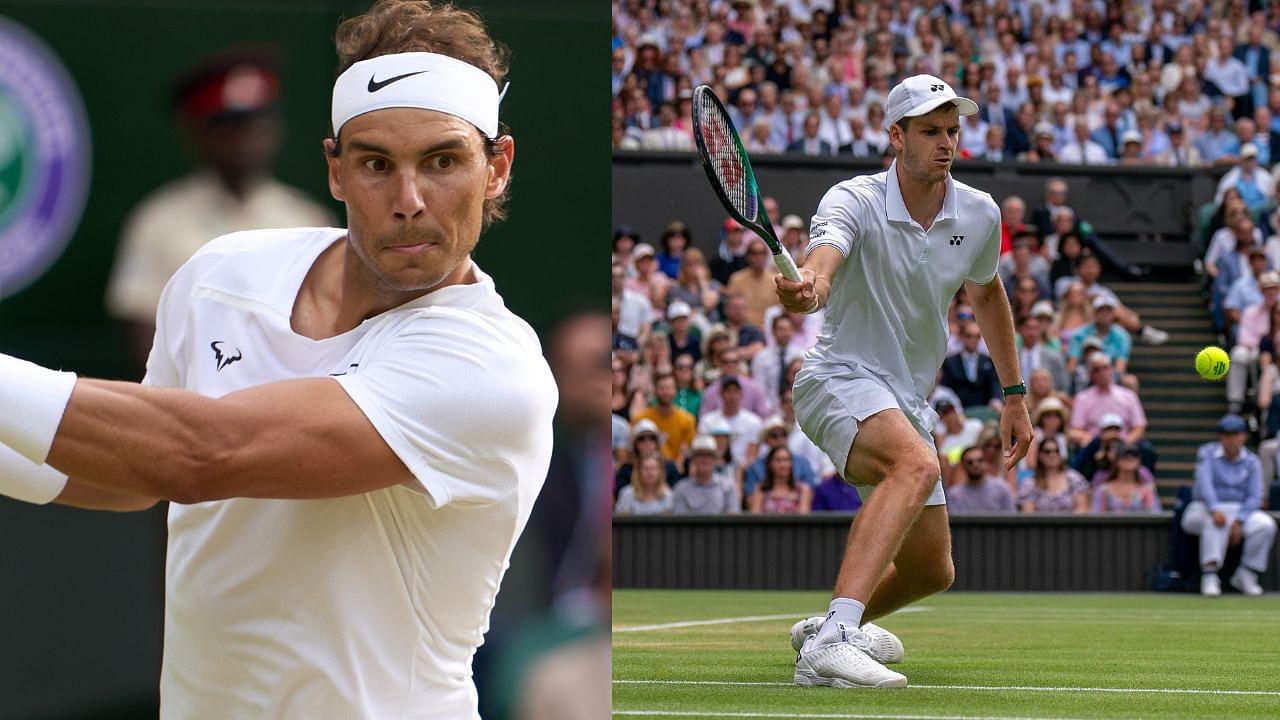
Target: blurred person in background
[
  {"x": 773, "y": 434},
  {"x": 1225, "y": 510},
  {"x": 769, "y": 366},
  {"x": 645, "y": 438},
  {"x": 1052, "y": 486},
  {"x": 754, "y": 283},
  {"x": 675, "y": 239},
  {"x": 695, "y": 286},
  {"x": 779, "y": 493},
  {"x": 1122, "y": 490},
  {"x": 675, "y": 425},
  {"x": 702, "y": 492},
  {"x": 227, "y": 110},
  {"x": 744, "y": 424},
  {"x": 972, "y": 490},
  {"x": 648, "y": 492}
]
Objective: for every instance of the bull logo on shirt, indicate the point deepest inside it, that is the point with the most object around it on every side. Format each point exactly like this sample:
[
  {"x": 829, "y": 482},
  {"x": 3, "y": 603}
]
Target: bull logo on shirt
[{"x": 223, "y": 357}]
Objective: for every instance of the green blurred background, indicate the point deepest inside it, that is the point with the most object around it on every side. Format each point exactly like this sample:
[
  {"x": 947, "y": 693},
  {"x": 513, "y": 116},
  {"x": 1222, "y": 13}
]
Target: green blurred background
[{"x": 124, "y": 54}]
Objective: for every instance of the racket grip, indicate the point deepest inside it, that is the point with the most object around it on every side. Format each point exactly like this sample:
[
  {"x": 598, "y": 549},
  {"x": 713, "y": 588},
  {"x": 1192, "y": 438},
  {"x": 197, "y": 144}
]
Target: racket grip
[{"x": 786, "y": 265}]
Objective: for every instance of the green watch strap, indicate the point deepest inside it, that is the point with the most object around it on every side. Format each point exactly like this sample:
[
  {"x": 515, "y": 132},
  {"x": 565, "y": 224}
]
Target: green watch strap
[{"x": 1019, "y": 389}]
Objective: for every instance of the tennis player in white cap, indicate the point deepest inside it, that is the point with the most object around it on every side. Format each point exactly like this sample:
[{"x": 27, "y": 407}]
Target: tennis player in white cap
[
  {"x": 349, "y": 424},
  {"x": 887, "y": 253}
]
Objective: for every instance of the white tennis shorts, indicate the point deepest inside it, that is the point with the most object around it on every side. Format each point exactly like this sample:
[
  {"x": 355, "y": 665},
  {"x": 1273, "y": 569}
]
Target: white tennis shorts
[{"x": 829, "y": 405}]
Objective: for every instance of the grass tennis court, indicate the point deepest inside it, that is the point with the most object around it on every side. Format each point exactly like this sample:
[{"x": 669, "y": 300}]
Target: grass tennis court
[{"x": 679, "y": 654}]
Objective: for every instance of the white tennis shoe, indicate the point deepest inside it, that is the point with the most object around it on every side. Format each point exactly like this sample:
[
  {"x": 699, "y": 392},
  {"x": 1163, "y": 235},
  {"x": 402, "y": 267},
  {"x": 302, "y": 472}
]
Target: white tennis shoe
[
  {"x": 1209, "y": 585},
  {"x": 845, "y": 662},
  {"x": 886, "y": 648},
  {"x": 1246, "y": 581}
]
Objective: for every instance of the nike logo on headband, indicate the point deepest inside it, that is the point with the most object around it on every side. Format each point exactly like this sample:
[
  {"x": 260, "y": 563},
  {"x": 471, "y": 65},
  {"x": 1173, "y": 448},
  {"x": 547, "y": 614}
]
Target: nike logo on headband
[{"x": 376, "y": 86}]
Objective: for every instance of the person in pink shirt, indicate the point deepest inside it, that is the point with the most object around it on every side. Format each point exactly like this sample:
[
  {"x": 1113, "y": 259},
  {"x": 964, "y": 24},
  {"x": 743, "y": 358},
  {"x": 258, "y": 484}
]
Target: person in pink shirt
[
  {"x": 1104, "y": 396},
  {"x": 1255, "y": 321}
]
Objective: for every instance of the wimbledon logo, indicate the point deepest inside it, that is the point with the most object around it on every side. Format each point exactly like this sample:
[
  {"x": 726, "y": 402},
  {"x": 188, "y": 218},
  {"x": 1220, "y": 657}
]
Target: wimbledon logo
[{"x": 44, "y": 158}]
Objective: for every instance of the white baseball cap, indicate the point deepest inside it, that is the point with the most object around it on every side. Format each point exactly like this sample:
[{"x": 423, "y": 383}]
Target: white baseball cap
[
  {"x": 921, "y": 95},
  {"x": 678, "y": 308},
  {"x": 1248, "y": 150}
]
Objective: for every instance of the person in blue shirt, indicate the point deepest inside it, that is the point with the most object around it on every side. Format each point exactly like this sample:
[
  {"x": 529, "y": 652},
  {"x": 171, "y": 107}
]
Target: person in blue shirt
[
  {"x": 1116, "y": 342},
  {"x": 773, "y": 434},
  {"x": 1225, "y": 511}
]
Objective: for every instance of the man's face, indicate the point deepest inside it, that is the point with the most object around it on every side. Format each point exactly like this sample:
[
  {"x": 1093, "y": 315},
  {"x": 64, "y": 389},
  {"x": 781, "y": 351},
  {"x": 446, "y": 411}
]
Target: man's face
[
  {"x": 1104, "y": 316},
  {"x": 703, "y": 464},
  {"x": 973, "y": 464},
  {"x": 1100, "y": 373},
  {"x": 757, "y": 255},
  {"x": 1232, "y": 442},
  {"x": 729, "y": 363},
  {"x": 775, "y": 437},
  {"x": 414, "y": 182},
  {"x": 731, "y": 395},
  {"x": 1089, "y": 270},
  {"x": 1055, "y": 193},
  {"x": 665, "y": 390},
  {"x": 928, "y": 147},
  {"x": 972, "y": 335},
  {"x": 1029, "y": 329},
  {"x": 783, "y": 331},
  {"x": 736, "y": 309}
]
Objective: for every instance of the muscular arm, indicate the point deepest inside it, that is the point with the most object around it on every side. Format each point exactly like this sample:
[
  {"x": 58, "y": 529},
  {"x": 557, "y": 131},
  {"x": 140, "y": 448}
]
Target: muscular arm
[
  {"x": 293, "y": 439},
  {"x": 995, "y": 319}
]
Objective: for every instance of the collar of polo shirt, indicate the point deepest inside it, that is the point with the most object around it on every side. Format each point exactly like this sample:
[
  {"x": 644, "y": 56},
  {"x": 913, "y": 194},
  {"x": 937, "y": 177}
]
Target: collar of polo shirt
[{"x": 896, "y": 207}]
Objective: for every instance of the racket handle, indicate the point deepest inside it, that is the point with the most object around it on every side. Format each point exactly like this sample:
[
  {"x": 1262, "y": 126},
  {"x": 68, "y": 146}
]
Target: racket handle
[{"x": 786, "y": 265}]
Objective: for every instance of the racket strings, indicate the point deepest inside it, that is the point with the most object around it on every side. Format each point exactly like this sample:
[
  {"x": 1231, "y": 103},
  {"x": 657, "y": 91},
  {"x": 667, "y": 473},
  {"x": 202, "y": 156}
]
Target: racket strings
[{"x": 727, "y": 162}]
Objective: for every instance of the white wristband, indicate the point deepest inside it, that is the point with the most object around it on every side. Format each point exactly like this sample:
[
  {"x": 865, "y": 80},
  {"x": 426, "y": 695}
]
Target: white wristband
[
  {"x": 23, "y": 480},
  {"x": 32, "y": 400}
]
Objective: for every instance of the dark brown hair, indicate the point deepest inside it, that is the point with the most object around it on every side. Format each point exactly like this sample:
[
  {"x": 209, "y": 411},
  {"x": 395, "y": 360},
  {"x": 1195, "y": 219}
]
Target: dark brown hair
[{"x": 399, "y": 26}]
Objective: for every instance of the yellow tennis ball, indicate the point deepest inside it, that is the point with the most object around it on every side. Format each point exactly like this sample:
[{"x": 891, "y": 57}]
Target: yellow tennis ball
[{"x": 1212, "y": 363}]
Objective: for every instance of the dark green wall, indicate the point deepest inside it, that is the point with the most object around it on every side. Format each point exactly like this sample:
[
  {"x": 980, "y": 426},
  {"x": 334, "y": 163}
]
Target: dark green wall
[{"x": 123, "y": 56}]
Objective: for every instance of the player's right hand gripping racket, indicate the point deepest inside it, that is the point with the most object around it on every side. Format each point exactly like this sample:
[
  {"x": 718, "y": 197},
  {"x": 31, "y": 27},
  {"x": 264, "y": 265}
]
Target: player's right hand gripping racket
[{"x": 729, "y": 171}]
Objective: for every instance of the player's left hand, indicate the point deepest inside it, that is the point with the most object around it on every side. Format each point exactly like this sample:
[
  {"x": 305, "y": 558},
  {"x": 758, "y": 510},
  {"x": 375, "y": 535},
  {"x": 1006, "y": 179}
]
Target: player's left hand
[{"x": 1015, "y": 425}]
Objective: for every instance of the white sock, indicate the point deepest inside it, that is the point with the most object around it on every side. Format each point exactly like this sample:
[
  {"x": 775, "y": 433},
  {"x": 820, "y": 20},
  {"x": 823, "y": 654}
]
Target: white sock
[{"x": 841, "y": 610}]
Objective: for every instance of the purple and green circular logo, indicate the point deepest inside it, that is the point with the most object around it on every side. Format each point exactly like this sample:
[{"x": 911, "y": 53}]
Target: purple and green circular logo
[{"x": 44, "y": 158}]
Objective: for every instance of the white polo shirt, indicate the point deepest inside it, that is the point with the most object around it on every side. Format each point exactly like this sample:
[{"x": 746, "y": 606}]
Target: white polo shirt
[
  {"x": 364, "y": 606},
  {"x": 888, "y": 306}
]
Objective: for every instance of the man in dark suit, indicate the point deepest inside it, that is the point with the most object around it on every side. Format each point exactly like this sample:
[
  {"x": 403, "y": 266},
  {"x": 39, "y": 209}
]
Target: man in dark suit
[
  {"x": 810, "y": 144},
  {"x": 1108, "y": 136},
  {"x": 1257, "y": 62},
  {"x": 971, "y": 374}
]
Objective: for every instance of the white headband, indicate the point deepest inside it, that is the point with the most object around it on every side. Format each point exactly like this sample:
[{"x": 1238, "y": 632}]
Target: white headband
[{"x": 418, "y": 80}]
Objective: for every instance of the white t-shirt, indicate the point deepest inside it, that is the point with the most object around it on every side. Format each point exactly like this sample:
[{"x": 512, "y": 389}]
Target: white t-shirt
[
  {"x": 368, "y": 605},
  {"x": 888, "y": 305},
  {"x": 745, "y": 429}
]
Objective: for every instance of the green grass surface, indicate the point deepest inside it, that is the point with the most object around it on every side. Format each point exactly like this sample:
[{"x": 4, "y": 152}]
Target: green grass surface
[{"x": 1017, "y": 656}]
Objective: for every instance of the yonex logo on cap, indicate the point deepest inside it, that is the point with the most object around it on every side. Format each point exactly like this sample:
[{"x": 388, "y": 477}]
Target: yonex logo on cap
[{"x": 936, "y": 88}]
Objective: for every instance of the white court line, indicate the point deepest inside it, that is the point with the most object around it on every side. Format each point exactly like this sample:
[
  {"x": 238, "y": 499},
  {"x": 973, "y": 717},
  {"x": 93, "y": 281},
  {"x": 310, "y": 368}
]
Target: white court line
[
  {"x": 997, "y": 688},
  {"x": 721, "y": 714},
  {"x": 726, "y": 621}
]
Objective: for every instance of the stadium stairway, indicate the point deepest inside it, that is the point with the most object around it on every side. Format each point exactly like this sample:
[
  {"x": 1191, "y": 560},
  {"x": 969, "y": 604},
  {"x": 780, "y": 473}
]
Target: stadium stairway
[{"x": 1182, "y": 410}]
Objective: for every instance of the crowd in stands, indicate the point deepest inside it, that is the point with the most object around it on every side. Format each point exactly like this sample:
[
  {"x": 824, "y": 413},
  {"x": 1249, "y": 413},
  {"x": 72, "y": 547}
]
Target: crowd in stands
[
  {"x": 704, "y": 359},
  {"x": 1150, "y": 82}
]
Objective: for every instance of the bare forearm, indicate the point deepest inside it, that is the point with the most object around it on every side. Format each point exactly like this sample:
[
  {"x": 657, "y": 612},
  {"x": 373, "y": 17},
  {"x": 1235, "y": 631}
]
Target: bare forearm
[
  {"x": 995, "y": 319},
  {"x": 128, "y": 439},
  {"x": 87, "y": 497},
  {"x": 295, "y": 439}
]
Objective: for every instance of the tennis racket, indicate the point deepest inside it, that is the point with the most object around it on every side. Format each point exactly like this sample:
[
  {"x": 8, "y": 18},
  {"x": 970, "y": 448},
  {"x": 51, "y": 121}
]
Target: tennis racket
[{"x": 729, "y": 171}]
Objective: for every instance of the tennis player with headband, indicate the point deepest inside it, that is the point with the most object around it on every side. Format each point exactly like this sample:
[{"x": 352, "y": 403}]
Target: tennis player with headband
[
  {"x": 350, "y": 425},
  {"x": 888, "y": 252}
]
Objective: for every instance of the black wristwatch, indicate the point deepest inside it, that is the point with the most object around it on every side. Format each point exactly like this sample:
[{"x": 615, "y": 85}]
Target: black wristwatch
[{"x": 1019, "y": 389}]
